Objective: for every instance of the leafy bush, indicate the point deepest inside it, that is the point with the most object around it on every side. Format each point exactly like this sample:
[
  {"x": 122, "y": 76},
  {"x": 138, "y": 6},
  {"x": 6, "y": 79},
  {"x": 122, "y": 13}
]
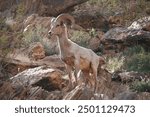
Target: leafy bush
[
  {"x": 4, "y": 49},
  {"x": 114, "y": 63},
  {"x": 20, "y": 11},
  {"x": 141, "y": 86},
  {"x": 132, "y": 59},
  {"x": 137, "y": 59},
  {"x": 37, "y": 35},
  {"x": 81, "y": 38}
]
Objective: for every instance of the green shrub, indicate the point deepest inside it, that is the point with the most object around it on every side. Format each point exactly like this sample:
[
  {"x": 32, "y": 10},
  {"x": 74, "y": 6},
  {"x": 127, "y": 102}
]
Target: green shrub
[
  {"x": 137, "y": 59},
  {"x": 20, "y": 11},
  {"x": 81, "y": 38},
  {"x": 132, "y": 59},
  {"x": 33, "y": 36},
  {"x": 37, "y": 35},
  {"x": 139, "y": 62},
  {"x": 141, "y": 86},
  {"x": 3, "y": 40},
  {"x": 114, "y": 63},
  {"x": 3, "y": 45},
  {"x": 134, "y": 50}
]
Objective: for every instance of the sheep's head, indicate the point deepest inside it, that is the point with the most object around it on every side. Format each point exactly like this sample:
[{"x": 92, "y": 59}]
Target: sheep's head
[{"x": 59, "y": 24}]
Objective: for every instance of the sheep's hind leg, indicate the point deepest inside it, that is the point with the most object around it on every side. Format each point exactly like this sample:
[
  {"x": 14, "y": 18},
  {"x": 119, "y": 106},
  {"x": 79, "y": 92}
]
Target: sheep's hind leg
[{"x": 94, "y": 68}]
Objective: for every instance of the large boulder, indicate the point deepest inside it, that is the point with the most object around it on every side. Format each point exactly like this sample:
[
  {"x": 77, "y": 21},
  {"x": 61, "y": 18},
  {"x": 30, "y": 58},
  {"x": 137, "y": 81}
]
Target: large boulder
[
  {"x": 19, "y": 60},
  {"x": 115, "y": 21},
  {"x": 50, "y": 7},
  {"x": 142, "y": 24},
  {"x": 88, "y": 20},
  {"x": 117, "y": 39},
  {"x": 34, "y": 21},
  {"x": 36, "y": 51},
  {"x": 41, "y": 7},
  {"x": 34, "y": 83}
]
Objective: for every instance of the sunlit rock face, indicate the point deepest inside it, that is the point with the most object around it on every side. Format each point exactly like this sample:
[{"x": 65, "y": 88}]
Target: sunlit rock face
[{"x": 143, "y": 23}]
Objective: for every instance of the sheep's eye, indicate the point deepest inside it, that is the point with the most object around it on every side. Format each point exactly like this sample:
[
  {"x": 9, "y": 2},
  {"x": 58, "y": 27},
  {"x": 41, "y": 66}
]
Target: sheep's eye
[{"x": 57, "y": 25}]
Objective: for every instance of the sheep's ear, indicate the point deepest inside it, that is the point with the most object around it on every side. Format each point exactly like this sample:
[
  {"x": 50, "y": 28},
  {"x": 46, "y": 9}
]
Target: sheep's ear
[{"x": 53, "y": 19}]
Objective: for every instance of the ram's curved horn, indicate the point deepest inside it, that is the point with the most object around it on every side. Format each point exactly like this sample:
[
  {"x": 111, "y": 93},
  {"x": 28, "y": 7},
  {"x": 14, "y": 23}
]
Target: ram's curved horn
[{"x": 65, "y": 18}]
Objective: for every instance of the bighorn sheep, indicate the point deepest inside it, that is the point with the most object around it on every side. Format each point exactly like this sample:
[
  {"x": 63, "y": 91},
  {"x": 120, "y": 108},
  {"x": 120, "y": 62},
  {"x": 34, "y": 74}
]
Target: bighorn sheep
[{"x": 74, "y": 56}]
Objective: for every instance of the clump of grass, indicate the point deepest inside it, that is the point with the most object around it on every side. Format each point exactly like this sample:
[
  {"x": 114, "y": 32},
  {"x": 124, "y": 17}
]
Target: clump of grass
[
  {"x": 137, "y": 59},
  {"x": 81, "y": 38},
  {"x": 20, "y": 11},
  {"x": 114, "y": 63},
  {"x": 3, "y": 26},
  {"x": 134, "y": 50},
  {"x": 4, "y": 42},
  {"x": 105, "y": 5},
  {"x": 141, "y": 86}
]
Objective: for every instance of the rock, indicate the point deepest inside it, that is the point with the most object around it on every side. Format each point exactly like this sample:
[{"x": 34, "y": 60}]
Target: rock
[
  {"x": 6, "y": 4},
  {"x": 115, "y": 21},
  {"x": 31, "y": 93},
  {"x": 127, "y": 95},
  {"x": 55, "y": 95},
  {"x": 14, "y": 69},
  {"x": 131, "y": 76},
  {"x": 148, "y": 11},
  {"x": 34, "y": 83},
  {"x": 7, "y": 91},
  {"x": 36, "y": 51},
  {"x": 126, "y": 77},
  {"x": 19, "y": 61},
  {"x": 41, "y": 7},
  {"x": 35, "y": 21},
  {"x": 143, "y": 96},
  {"x": 88, "y": 21},
  {"x": 32, "y": 76},
  {"x": 141, "y": 24},
  {"x": 79, "y": 93},
  {"x": 95, "y": 42},
  {"x": 118, "y": 39},
  {"x": 50, "y": 7}
]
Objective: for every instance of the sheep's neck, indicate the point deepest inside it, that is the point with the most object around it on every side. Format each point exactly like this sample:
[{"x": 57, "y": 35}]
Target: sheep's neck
[{"x": 63, "y": 43}]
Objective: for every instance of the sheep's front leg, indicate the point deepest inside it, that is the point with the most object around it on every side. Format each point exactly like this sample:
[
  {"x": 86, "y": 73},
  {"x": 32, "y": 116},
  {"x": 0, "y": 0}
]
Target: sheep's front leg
[
  {"x": 69, "y": 71},
  {"x": 86, "y": 77}
]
